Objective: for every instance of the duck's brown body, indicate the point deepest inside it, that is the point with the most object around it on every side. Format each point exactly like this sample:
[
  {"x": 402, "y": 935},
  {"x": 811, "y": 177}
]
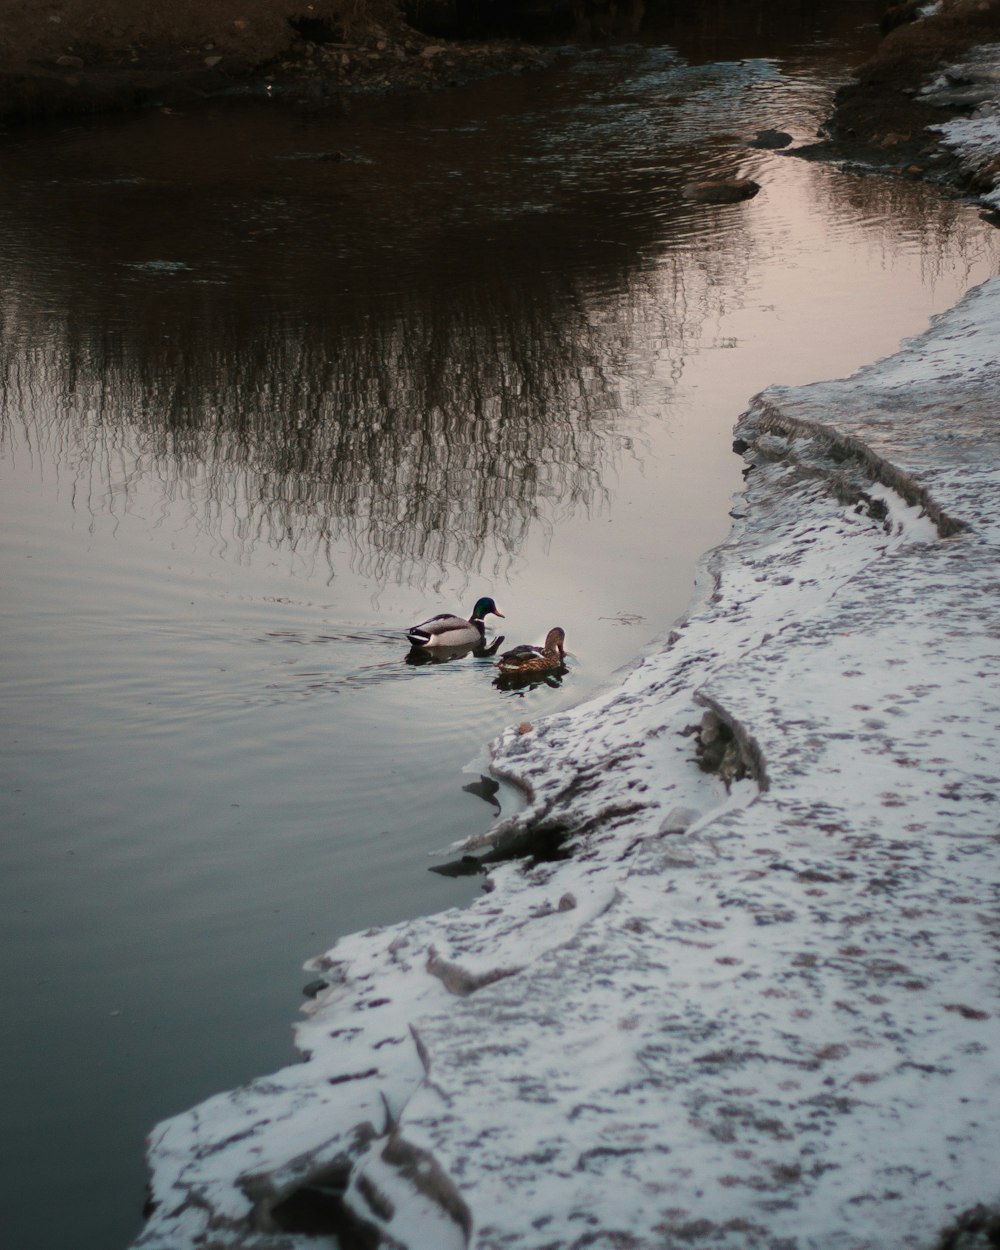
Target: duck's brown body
[{"x": 527, "y": 660}]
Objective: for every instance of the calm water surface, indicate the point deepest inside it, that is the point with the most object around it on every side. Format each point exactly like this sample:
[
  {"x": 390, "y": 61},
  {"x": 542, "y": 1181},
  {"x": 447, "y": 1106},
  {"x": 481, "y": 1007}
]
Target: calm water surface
[{"x": 274, "y": 387}]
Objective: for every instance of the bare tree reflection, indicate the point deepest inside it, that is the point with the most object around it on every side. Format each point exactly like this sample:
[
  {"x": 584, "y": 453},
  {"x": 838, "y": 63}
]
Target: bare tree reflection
[
  {"x": 434, "y": 438},
  {"x": 338, "y": 368}
]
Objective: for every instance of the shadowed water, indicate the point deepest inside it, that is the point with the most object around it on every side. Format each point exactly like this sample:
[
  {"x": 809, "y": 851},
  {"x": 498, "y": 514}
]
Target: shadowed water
[{"x": 275, "y": 386}]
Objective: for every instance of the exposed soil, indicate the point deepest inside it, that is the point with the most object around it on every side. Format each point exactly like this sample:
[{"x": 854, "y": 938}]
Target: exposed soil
[
  {"x": 86, "y": 56},
  {"x": 78, "y": 56},
  {"x": 881, "y": 120},
  {"x": 60, "y": 56}
]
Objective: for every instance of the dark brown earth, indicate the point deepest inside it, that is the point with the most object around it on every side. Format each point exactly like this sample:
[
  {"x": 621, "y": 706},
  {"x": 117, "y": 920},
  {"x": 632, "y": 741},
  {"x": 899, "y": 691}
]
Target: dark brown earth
[
  {"x": 79, "y": 56},
  {"x": 879, "y": 120},
  {"x": 61, "y": 57}
]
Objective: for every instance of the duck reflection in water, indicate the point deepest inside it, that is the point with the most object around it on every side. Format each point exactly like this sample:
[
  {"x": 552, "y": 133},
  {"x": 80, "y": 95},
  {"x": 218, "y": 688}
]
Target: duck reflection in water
[
  {"x": 441, "y": 654},
  {"x": 528, "y": 665}
]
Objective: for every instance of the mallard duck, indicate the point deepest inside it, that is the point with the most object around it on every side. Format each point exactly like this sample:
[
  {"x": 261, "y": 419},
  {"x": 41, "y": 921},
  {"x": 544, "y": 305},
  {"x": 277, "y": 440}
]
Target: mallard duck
[
  {"x": 448, "y": 630},
  {"x": 525, "y": 660}
]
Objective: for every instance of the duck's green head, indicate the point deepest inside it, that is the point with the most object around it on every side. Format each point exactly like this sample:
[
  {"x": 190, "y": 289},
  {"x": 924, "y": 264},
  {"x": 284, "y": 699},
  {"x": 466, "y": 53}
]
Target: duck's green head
[{"x": 485, "y": 607}]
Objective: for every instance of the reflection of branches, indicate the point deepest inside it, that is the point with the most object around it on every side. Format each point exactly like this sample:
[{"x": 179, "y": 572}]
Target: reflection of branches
[
  {"x": 268, "y": 381},
  {"x": 894, "y": 216},
  {"x": 285, "y": 399},
  {"x": 435, "y": 438},
  {"x": 428, "y": 434}
]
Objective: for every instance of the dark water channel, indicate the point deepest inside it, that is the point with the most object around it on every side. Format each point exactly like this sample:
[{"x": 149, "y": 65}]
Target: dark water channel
[{"x": 274, "y": 386}]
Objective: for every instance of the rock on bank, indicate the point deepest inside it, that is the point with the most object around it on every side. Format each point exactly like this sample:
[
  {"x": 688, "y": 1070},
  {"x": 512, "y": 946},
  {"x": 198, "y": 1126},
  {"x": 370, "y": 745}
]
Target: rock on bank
[{"x": 757, "y": 1008}]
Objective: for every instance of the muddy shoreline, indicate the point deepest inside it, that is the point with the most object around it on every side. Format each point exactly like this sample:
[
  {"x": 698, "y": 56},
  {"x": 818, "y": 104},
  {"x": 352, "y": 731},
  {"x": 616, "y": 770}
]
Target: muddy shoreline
[
  {"x": 311, "y": 63},
  {"x": 887, "y": 120},
  {"x": 883, "y": 120},
  {"x": 310, "y": 80},
  {"x": 309, "y": 76}
]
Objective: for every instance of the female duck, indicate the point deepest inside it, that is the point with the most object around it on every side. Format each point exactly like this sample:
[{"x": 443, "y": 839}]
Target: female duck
[
  {"x": 525, "y": 660},
  {"x": 448, "y": 630}
]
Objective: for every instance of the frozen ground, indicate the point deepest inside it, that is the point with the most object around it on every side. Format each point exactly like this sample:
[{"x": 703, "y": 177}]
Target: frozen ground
[
  {"x": 753, "y": 1007},
  {"x": 756, "y": 1008}
]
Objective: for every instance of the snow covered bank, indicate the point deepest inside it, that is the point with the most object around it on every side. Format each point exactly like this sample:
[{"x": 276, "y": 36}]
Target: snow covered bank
[
  {"x": 760, "y": 1008},
  {"x": 972, "y": 84}
]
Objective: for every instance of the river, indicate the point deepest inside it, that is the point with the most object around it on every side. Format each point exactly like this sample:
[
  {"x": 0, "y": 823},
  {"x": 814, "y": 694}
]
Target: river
[{"x": 276, "y": 384}]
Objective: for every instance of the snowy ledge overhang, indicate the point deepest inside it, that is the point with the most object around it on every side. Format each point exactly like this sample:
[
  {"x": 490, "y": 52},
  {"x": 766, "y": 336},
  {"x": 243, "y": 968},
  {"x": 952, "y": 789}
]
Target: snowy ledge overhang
[{"x": 756, "y": 1008}]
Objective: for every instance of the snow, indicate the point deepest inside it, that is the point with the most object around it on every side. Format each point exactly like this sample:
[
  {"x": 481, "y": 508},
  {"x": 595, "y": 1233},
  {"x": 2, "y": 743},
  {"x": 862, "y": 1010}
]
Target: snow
[{"x": 973, "y": 83}]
